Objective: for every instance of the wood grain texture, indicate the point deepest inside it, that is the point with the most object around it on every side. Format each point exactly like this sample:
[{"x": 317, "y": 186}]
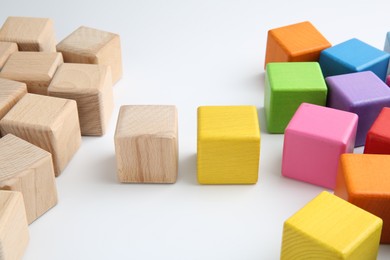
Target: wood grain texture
[
  {"x": 331, "y": 228},
  {"x": 36, "y": 69},
  {"x": 14, "y": 234},
  {"x": 29, "y": 169},
  {"x": 6, "y": 49},
  {"x": 228, "y": 145},
  {"x": 48, "y": 122},
  {"x": 146, "y": 144},
  {"x": 295, "y": 42},
  {"x": 364, "y": 180},
  {"x": 10, "y": 93},
  {"x": 88, "y": 45},
  {"x": 90, "y": 85},
  {"x": 30, "y": 33}
]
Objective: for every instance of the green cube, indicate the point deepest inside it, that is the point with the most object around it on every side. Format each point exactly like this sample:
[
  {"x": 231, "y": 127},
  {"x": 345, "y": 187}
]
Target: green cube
[{"x": 287, "y": 85}]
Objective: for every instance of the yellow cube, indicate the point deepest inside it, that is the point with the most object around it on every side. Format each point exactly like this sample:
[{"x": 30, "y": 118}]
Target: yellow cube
[
  {"x": 331, "y": 228},
  {"x": 228, "y": 145}
]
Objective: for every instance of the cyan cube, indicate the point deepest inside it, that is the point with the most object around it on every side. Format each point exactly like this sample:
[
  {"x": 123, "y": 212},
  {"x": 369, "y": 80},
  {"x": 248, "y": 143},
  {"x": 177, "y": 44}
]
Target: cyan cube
[
  {"x": 362, "y": 93},
  {"x": 354, "y": 56}
]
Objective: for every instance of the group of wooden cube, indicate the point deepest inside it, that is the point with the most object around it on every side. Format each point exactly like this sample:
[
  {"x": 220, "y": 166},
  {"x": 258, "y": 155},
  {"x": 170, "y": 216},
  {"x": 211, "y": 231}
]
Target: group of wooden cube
[
  {"x": 50, "y": 95},
  {"x": 327, "y": 100}
]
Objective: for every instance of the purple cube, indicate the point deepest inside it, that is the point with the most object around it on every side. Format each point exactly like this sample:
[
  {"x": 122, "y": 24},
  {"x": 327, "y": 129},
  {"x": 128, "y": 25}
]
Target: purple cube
[{"x": 362, "y": 93}]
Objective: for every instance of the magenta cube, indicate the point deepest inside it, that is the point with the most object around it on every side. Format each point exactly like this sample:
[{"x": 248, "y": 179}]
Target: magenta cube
[
  {"x": 362, "y": 93},
  {"x": 313, "y": 142}
]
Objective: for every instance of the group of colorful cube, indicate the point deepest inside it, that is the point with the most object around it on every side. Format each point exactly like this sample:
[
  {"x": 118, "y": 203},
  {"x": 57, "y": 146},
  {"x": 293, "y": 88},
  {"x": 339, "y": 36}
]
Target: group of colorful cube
[
  {"x": 45, "y": 107},
  {"x": 327, "y": 101}
]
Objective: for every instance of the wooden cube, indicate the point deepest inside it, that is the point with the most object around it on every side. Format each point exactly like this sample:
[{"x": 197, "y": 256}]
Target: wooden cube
[
  {"x": 36, "y": 69},
  {"x": 10, "y": 93},
  {"x": 296, "y": 42},
  {"x": 362, "y": 93},
  {"x": 14, "y": 234},
  {"x": 364, "y": 180},
  {"x": 378, "y": 137},
  {"x": 354, "y": 56},
  {"x": 146, "y": 144},
  {"x": 47, "y": 122},
  {"x": 28, "y": 169},
  {"x": 6, "y": 49},
  {"x": 88, "y": 45},
  {"x": 90, "y": 85},
  {"x": 313, "y": 142},
  {"x": 228, "y": 145},
  {"x": 287, "y": 85},
  {"x": 331, "y": 228},
  {"x": 31, "y": 34}
]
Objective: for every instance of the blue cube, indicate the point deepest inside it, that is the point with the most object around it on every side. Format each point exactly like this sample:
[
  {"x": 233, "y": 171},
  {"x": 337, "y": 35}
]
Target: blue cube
[{"x": 354, "y": 56}]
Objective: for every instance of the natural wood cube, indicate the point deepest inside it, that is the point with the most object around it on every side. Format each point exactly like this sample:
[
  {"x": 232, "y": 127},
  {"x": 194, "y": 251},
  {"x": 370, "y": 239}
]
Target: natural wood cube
[
  {"x": 10, "y": 93},
  {"x": 36, "y": 69},
  {"x": 364, "y": 180},
  {"x": 28, "y": 169},
  {"x": 14, "y": 234},
  {"x": 331, "y": 228},
  {"x": 146, "y": 144},
  {"x": 48, "y": 122},
  {"x": 31, "y": 34},
  {"x": 228, "y": 145},
  {"x": 90, "y": 85},
  {"x": 6, "y": 49},
  {"x": 88, "y": 45}
]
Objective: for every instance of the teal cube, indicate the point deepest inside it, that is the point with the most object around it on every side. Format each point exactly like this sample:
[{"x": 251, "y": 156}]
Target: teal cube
[{"x": 287, "y": 85}]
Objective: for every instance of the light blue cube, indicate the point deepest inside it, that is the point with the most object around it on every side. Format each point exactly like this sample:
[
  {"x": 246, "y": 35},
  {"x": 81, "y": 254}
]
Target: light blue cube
[{"x": 354, "y": 56}]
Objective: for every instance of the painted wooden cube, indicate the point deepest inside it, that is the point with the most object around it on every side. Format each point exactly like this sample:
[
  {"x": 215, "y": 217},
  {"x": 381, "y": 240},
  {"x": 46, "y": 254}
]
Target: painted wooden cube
[
  {"x": 47, "y": 122},
  {"x": 14, "y": 235},
  {"x": 228, "y": 145},
  {"x": 354, "y": 56},
  {"x": 313, "y": 142},
  {"x": 28, "y": 169},
  {"x": 36, "y": 69},
  {"x": 88, "y": 45},
  {"x": 146, "y": 144},
  {"x": 30, "y": 33},
  {"x": 90, "y": 85},
  {"x": 10, "y": 93},
  {"x": 362, "y": 93},
  {"x": 388, "y": 80},
  {"x": 364, "y": 180},
  {"x": 287, "y": 85},
  {"x": 331, "y": 228},
  {"x": 296, "y": 42},
  {"x": 378, "y": 137},
  {"x": 6, "y": 49}
]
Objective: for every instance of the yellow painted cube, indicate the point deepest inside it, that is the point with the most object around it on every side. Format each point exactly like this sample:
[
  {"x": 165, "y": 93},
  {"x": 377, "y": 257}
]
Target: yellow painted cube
[
  {"x": 228, "y": 145},
  {"x": 331, "y": 228}
]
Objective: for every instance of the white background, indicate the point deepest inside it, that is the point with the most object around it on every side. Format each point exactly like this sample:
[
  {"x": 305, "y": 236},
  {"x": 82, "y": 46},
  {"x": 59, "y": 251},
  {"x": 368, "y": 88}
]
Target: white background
[{"x": 185, "y": 53}]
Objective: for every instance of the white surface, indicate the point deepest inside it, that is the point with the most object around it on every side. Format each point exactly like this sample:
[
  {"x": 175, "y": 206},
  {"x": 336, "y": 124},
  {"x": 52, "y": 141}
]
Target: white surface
[{"x": 186, "y": 53}]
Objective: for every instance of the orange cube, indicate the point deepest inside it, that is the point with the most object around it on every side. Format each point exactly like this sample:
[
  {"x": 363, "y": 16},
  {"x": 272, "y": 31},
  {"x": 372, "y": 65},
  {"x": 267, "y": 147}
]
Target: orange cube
[
  {"x": 296, "y": 42},
  {"x": 364, "y": 180}
]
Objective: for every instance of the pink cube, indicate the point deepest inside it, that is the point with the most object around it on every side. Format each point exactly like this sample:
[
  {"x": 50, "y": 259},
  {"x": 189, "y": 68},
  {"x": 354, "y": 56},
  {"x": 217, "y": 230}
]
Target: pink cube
[{"x": 313, "y": 142}]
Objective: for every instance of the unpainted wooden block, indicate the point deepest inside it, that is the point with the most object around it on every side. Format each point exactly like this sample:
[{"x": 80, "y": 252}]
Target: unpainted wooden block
[
  {"x": 88, "y": 45},
  {"x": 364, "y": 180},
  {"x": 30, "y": 33},
  {"x": 48, "y": 122},
  {"x": 331, "y": 228},
  {"x": 6, "y": 49},
  {"x": 295, "y": 42},
  {"x": 28, "y": 169},
  {"x": 14, "y": 234},
  {"x": 10, "y": 93},
  {"x": 146, "y": 144},
  {"x": 228, "y": 150},
  {"x": 90, "y": 85},
  {"x": 36, "y": 69}
]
